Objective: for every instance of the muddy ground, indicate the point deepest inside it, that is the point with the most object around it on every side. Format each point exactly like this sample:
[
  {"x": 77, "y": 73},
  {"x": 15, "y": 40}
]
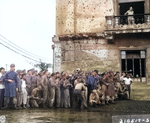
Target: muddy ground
[{"x": 100, "y": 114}]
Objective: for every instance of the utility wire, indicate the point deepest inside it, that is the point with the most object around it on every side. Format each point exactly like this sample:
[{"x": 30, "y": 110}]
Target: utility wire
[
  {"x": 19, "y": 49},
  {"x": 23, "y": 50},
  {"x": 21, "y": 54}
]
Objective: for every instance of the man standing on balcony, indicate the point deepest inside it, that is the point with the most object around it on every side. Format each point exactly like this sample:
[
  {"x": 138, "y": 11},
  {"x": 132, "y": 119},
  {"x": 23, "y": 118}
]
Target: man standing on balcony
[{"x": 130, "y": 18}]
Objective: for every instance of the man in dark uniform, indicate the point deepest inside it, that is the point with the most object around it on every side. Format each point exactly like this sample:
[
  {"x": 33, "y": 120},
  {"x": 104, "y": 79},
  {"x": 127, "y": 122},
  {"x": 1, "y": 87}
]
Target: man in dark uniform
[{"x": 11, "y": 86}]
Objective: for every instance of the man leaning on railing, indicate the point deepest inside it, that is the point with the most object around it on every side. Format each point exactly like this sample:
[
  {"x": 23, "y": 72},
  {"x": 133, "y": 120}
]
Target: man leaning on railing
[{"x": 130, "y": 18}]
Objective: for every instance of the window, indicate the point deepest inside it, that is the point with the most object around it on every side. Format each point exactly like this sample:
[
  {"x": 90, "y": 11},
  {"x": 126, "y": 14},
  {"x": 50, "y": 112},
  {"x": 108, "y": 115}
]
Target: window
[
  {"x": 123, "y": 54},
  {"x": 142, "y": 54}
]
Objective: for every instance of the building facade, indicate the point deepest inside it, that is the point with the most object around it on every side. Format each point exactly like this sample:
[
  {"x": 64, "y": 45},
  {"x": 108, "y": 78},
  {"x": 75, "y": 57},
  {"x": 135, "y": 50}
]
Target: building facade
[{"x": 95, "y": 34}]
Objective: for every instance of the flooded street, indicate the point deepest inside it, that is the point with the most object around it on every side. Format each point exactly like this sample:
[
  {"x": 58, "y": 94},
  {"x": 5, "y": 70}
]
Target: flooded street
[{"x": 101, "y": 114}]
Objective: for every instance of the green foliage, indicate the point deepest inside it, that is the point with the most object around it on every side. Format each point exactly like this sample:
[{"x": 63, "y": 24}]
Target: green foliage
[{"x": 43, "y": 66}]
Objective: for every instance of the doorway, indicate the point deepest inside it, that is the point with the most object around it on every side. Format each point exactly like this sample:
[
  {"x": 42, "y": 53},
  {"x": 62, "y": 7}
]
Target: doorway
[
  {"x": 133, "y": 62},
  {"x": 138, "y": 7}
]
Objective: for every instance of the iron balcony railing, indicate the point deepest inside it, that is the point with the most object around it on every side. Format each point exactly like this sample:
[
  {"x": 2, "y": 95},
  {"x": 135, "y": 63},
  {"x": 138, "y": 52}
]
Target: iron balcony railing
[{"x": 115, "y": 21}]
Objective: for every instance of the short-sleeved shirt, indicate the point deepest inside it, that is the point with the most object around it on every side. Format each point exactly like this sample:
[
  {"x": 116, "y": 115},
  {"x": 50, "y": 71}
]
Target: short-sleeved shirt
[{"x": 127, "y": 81}]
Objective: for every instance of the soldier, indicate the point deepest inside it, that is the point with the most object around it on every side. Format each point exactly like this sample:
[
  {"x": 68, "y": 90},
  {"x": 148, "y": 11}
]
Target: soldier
[
  {"x": 94, "y": 98},
  {"x": 34, "y": 80},
  {"x": 34, "y": 98},
  {"x": 62, "y": 90},
  {"x": 28, "y": 80},
  {"x": 77, "y": 94},
  {"x": 19, "y": 89},
  {"x": 57, "y": 90},
  {"x": 110, "y": 92},
  {"x": 117, "y": 83},
  {"x": 51, "y": 88},
  {"x": 11, "y": 86},
  {"x": 44, "y": 84},
  {"x": 104, "y": 86},
  {"x": 24, "y": 71},
  {"x": 39, "y": 78},
  {"x": 66, "y": 85}
]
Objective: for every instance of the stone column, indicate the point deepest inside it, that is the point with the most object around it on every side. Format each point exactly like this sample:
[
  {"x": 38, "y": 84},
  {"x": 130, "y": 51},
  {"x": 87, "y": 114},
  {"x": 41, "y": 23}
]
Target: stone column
[
  {"x": 148, "y": 66},
  {"x": 57, "y": 54},
  {"x": 147, "y": 6},
  {"x": 116, "y": 7}
]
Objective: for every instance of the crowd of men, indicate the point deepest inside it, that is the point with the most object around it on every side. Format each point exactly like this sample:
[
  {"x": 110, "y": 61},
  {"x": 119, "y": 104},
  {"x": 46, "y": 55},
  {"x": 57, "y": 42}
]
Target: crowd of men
[{"x": 32, "y": 89}]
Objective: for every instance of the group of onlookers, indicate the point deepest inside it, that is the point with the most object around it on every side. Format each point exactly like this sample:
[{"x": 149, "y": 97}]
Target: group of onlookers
[{"x": 23, "y": 89}]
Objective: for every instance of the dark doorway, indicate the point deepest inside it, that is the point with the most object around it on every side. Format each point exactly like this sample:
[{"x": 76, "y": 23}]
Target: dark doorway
[
  {"x": 130, "y": 66},
  {"x": 136, "y": 68},
  {"x": 143, "y": 67},
  {"x": 123, "y": 65},
  {"x": 138, "y": 7},
  {"x": 133, "y": 62}
]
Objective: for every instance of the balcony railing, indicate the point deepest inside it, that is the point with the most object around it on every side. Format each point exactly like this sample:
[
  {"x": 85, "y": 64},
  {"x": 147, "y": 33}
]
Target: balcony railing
[{"x": 121, "y": 22}]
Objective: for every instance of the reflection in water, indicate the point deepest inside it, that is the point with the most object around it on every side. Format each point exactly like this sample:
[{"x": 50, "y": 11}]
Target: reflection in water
[
  {"x": 101, "y": 114},
  {"x": 58, "y": 116}
]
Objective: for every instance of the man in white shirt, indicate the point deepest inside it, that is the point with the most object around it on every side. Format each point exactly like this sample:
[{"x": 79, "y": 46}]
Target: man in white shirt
[
  {"x": 2, "y": 86},
  {"x": 130, "y": 18},
  {"x": 128, "y": 81},
  {"x": 23, "y": 91}
]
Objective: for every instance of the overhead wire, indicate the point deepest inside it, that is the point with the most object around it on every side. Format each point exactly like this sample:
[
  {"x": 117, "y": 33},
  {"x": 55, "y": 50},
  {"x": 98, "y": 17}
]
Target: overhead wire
[
  {"x": 23, "y": 50},
  {"x": 21, "y": 54}
]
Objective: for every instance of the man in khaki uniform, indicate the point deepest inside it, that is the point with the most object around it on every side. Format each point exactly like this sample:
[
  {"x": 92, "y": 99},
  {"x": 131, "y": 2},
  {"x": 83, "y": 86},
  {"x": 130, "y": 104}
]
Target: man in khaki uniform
[
  {"x": 110, "y": 92},
  {"x": 51, "y": 86},
  {"x": 44, "y": 84},
  {"x": 34, "y": 99},
  {"x": 94, "y": 97}
]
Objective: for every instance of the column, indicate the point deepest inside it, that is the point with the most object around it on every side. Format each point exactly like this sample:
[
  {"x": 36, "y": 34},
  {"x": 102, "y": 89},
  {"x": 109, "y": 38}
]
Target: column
[{"x": 56, "y": 54}]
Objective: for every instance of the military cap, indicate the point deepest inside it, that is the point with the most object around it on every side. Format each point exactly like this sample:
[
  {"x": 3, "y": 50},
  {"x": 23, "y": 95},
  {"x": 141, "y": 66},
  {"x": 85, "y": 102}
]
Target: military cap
[
  {"x": 45, "y": 71},
  {"x": 34, "y": 71},
  {"x": 12, "y": 65}
]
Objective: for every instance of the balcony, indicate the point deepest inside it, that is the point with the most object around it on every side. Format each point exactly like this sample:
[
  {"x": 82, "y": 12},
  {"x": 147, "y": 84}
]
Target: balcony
[{"x": 119, "y": 24}]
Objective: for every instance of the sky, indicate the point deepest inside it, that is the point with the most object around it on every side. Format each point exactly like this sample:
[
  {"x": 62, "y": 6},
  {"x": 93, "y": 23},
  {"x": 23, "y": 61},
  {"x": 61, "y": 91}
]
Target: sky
[{"x": 30, "y": 24}]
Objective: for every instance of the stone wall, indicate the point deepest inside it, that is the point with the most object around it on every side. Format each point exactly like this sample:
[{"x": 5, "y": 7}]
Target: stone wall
[
  {"x": 82, "y": 16},
  {"x": 99, "y": 54}
]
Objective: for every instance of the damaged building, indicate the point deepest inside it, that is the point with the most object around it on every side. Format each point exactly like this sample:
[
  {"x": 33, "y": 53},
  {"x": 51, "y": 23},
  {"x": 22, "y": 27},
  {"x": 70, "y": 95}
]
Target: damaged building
[{"x": 95, "y": 34}]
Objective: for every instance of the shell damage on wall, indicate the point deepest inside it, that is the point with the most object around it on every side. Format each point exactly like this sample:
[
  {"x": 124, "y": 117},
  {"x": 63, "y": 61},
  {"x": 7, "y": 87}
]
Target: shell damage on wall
[{"x": 82, "y": 16}]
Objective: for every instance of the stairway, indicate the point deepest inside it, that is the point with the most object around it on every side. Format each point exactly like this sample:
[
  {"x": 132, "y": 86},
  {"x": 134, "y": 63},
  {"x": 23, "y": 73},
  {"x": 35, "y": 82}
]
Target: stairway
[{"x": 140, "y": 91}]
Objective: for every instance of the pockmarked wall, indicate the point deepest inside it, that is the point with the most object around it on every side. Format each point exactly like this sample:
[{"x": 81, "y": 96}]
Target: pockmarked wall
[
  {"x": 98, "y": 54},
  {"x": 82, "y": 16}
]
